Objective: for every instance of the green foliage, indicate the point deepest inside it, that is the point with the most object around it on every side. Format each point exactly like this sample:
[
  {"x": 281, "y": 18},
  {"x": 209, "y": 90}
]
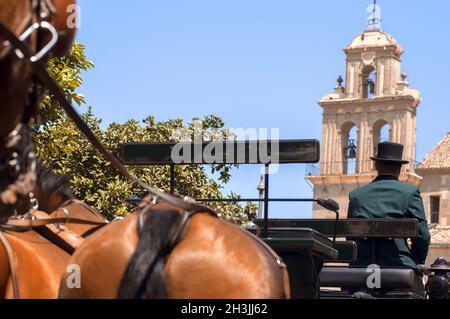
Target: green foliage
[
  {"x": 67, "y": 72},
  {"x": 61, "y": 146}
]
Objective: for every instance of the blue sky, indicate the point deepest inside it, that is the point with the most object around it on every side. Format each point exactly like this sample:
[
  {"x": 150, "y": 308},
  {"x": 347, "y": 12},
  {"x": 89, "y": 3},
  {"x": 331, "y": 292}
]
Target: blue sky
[{"x": 255, "y": 63}]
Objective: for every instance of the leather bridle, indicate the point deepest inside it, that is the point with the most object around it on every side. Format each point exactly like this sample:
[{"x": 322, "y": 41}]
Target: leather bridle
[
  {"x": 18, "y": 159},
  {"x": 17, "y": 170},
  {"x": 37, "y": 18}
]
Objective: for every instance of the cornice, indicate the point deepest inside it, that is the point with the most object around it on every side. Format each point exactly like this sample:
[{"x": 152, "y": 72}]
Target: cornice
[
  {"x": 362, "y": 179},
  {"x": 369, "y": 102}
]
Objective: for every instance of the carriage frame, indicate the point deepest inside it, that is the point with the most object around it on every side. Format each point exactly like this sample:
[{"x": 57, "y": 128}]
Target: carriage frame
[{"x": 318, "y": 267}]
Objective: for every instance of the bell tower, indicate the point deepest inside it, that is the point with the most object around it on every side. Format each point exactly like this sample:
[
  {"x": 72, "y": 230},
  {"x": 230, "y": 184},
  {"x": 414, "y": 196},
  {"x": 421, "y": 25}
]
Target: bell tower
[{"x": 375, "y": 104}]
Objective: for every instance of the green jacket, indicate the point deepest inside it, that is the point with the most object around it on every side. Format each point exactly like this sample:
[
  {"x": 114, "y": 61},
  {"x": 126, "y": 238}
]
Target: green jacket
[{"x": 387, "y": 197}]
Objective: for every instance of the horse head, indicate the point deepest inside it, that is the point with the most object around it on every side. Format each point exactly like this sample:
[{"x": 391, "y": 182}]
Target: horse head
[{"x": 48, "y": 29}]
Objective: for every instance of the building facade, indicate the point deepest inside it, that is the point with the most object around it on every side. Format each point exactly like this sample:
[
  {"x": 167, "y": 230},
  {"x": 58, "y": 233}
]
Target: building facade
[{"x": 435, "y": 190}]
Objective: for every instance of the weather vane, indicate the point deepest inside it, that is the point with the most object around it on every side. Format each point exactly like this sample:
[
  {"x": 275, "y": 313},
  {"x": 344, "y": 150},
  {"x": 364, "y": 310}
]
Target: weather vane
[{"x": 374, "y": 21}]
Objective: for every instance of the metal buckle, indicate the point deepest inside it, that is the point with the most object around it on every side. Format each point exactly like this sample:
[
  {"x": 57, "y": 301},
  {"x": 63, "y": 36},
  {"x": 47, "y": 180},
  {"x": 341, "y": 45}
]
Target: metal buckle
[
  {"x": 33, "y": 28},
  {"x": 34, "y": 203},
  {"x": 188, "y": 199},
  {"x": 66, "y": 212},
  {"x": 28, "y": 216}
]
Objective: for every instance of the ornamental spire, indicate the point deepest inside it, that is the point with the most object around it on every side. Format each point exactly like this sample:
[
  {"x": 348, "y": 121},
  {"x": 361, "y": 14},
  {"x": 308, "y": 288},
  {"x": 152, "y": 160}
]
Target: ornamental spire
[{"x": 374, "y": 20}]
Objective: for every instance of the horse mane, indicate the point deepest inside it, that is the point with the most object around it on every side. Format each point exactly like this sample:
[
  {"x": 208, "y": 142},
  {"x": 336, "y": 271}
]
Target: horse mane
[{"x": 49, "y": 182}]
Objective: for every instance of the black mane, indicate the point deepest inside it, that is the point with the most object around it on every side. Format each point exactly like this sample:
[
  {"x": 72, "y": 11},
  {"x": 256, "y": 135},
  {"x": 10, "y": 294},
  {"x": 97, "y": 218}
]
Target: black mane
[{"x": 49, "y": 182}]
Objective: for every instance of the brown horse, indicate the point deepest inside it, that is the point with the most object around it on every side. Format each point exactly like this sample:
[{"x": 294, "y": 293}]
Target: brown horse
[
  {"x": 137, "y": 258},
  {"x": 23, "y": 251},
  {"x": 214, "y": 239},
  {"x": 19, "y": 94},
  {"x": 54, "y": 195},
  {"x": 34, "y": 261},
  {"x": 37, "y": 266},
  {"x": 38, "y": 249},
  {"x": 31, "y": 265}
]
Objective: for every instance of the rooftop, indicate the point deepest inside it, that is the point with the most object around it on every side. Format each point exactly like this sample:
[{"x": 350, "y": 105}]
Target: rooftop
[
  {"x": 440, "y": 235},
  {"x": 438, "y": 158},
  {"x": 374, "y": 39}
]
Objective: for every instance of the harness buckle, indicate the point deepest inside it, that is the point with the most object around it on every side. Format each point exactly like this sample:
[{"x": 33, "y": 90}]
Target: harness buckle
[
  {"x": 33, "y": 28},
  {"x": 28, "y": 216},
  {"x": 34, "y": 203},
  {"x": 66, "y": 212}
]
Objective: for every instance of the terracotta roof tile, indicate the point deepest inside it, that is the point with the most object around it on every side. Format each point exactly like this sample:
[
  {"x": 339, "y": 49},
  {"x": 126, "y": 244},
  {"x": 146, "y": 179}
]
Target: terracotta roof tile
[
  {"x": 440, "y": 235},
  {"x": 439, "y": 157}
]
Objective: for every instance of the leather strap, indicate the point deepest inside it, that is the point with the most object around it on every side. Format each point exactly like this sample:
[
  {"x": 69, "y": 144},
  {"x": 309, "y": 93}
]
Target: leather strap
[
  {"x": 12, "y": 265},
  {"x": 65, "y": 208},
  {"x": 6, "y": 50},
  {"x": 27, "y": 225},
  {"x": 39, "y": 10},
  {"x": 46, "y": 226},
  {"x": 59, "y": 234},
  {"x": 17, "y": 166},
  {"x": 90, "y": 209}
]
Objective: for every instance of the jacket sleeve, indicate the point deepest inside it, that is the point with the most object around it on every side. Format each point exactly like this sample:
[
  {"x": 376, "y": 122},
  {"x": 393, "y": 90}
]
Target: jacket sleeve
[
  {"x": 421, "y": 243},
  {"x": 353, "y": 206}
]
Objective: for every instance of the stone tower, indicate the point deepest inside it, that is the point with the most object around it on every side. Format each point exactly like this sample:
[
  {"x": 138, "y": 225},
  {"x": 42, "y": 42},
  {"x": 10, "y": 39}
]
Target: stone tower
[{"x": 376, "y": 98}]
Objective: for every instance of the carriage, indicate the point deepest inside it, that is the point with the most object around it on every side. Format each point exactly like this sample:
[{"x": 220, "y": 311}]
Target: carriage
[{"x": 316, "y": 251}]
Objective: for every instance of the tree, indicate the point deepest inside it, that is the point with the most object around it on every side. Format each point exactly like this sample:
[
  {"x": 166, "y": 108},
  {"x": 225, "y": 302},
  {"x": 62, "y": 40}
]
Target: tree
[{"x": 61, "y": 146}]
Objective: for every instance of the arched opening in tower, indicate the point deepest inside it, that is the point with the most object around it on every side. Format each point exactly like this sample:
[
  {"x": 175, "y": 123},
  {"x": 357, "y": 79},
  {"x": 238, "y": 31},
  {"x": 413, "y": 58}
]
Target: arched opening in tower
[
  {"x": 369, "y": 80},
  {"x": 381, "y": 133},
  {"x": 350, "y": 143}
]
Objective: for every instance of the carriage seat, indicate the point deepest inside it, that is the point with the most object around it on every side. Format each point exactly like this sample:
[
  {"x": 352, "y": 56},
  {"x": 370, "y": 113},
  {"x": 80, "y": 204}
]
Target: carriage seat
[{"x": 356, "y": 278}]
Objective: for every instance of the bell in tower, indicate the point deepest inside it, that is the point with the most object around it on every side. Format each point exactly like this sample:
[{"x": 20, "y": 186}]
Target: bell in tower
[
  {"x": 368, "y": 76},
  {"x": 350, "y": 150}
]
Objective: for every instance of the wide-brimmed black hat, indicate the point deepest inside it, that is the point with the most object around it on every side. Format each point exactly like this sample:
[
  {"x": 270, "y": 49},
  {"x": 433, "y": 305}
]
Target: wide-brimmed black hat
[{"x": 390, "y": 152}]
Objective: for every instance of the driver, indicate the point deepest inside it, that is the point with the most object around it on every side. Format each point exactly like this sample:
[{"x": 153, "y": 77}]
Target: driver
[{"x": 387, "y": 197}]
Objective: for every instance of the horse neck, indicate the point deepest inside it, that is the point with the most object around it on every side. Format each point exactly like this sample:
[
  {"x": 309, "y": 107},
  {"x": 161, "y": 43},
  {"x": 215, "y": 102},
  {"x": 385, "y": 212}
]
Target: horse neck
[{"x": 46, "y": 260}]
